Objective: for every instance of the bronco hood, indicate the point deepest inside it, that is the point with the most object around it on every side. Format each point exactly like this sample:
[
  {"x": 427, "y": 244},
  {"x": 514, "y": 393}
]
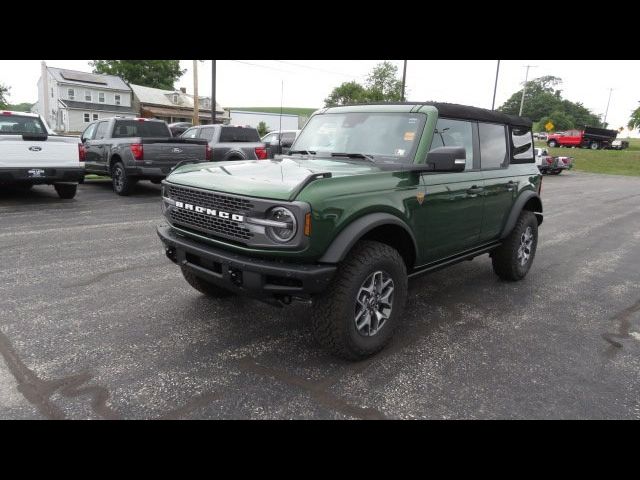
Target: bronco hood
[{"x": 277, "y": 179}]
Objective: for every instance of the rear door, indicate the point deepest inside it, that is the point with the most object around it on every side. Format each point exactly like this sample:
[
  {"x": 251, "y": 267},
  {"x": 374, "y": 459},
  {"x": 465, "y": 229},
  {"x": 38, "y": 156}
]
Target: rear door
[
  {"x": 572, "y": 138},
  {"x": 499, "y": 184},
  {"x": 451, "y": 210}
]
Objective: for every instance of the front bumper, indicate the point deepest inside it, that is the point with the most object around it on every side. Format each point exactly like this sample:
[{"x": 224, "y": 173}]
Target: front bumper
[
  {"x": 243, "y": 274},
  {"x": 41, "y": 175}
]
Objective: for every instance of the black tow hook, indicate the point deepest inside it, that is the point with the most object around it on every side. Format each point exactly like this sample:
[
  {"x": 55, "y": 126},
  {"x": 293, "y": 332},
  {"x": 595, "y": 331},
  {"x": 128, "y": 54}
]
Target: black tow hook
[{"x": 170, "y": 252}]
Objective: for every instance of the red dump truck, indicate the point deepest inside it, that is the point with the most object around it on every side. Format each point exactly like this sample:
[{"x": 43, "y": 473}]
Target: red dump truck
[{"x": 590, "y": 137}]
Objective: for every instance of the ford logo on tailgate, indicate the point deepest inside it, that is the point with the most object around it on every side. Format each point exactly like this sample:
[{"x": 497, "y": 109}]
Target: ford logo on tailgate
[
  {"x": 176, "y": 150},
  {"x": 35, "y": 149}
]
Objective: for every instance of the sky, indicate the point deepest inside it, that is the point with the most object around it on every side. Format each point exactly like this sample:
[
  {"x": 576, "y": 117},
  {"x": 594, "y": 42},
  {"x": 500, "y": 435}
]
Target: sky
[{"x": 306, "y": 83}]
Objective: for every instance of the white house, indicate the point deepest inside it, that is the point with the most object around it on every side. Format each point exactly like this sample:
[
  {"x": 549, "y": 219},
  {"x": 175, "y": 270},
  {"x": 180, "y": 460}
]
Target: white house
[{"x": 69, "y": 100}]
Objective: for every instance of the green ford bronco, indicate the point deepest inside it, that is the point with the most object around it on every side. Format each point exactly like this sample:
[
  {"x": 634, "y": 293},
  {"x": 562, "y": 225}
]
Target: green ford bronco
[{"x": 368, "y": 197}]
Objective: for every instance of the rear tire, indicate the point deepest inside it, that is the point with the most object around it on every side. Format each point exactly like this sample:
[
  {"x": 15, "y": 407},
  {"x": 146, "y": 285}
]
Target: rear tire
[
  {"x": 207, "y": 288},
  {"x": 358, "y": 313},
  {"x": 552, "y": 143},
  {"x": 594, "y": 146},
  {"x": 122, "y": 183},
  {"x": 65, "y": 190},
  {"x": 512, "y": 260}
]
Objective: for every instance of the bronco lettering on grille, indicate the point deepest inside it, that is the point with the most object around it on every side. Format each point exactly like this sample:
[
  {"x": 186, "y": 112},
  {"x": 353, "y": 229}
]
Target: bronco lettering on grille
[{"x": 210, "y": 211}]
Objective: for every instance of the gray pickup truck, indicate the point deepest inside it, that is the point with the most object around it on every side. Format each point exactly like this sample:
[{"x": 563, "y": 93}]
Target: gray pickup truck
[
  {"x": 229, "y": 142},
  {"x": 132, "y": 149}
]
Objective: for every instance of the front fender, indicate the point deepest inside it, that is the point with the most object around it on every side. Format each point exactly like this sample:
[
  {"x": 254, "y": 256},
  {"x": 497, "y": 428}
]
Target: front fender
[{"x": 353, "y": 232}]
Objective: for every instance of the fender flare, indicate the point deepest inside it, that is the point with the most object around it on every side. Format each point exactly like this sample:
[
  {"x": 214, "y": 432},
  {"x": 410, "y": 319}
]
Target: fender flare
[
  {"x": 353, "y": 232},
  {"x": 234, "y": 153},
  {"x": 517, "y": 208}
]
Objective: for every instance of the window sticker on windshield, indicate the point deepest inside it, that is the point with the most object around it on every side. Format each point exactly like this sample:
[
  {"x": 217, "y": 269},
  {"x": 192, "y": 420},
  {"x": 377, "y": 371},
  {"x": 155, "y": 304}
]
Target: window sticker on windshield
[
  {"x": 413, "y": 120},
  {"x": 399, "y": 151},
  {"x": 409, "y": 136}
]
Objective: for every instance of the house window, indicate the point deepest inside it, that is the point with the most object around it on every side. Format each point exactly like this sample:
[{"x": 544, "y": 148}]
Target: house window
[
  {"x": 175, "y": 98},
  {"x": 87, "y": 118},
  {"x": 95, "y": 117},
  {"x": 117, "y": 99},
  {"x": 51, "y": 92},
  {"x": 71, "y": 94},
  {"x": 87, "y": 95},
  {"x": 101, "y": 97}
]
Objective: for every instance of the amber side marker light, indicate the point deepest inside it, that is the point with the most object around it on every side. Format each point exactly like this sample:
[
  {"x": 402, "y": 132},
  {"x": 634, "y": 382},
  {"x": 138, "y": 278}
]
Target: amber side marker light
[{"x": 307, "y": 224}]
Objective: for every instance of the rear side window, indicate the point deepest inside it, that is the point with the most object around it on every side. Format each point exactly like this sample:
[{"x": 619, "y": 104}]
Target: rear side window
[
  {"x": 207, "y": 133},
  {"x": 454, "y": 133},
  {"x": 493, "y": 146},
  {"x": 137, "y": 128},
  {"x": 239, "y": 134},
  {"x": 521, "y": 145},
  {"x": 191, "y": 133},
  {"x": 20, "y": 125}
]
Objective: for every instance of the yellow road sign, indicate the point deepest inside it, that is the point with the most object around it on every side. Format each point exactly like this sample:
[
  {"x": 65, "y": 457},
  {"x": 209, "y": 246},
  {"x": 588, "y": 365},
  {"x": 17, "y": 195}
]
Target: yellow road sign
[{"x": 549, "y": 126}]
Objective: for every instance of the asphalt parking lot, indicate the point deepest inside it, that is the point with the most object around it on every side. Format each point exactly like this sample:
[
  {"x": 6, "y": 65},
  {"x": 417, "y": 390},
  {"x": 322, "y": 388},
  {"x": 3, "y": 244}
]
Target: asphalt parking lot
[{"x": 96, "y": 323}]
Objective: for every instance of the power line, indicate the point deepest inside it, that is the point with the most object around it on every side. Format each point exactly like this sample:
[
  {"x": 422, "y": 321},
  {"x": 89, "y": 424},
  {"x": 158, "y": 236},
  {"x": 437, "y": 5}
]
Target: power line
[
  {"x": 263, "y": 66},
  {"x": 319, "y": 69}
]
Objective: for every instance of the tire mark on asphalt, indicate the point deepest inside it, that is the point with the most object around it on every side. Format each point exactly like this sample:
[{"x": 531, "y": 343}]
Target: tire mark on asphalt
[
  {"x": 100, "y": 276},
  {"x": 623, "y": 320},
  {"x": 38, "y": 392},
  {"x": 315, "y": 389}
]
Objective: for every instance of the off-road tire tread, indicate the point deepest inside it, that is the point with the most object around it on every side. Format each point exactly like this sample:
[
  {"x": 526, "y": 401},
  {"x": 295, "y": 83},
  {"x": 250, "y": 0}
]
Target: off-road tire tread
[
  {"x": 502, "y": 258},
  {"x": 328, "y": 325}
]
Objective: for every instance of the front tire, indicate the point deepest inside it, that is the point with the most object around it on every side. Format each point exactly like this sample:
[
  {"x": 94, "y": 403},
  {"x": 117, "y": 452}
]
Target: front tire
[
  {"x": 512, "y": 260},
  {"x": 207, "y": 288},
  {"x": 66, "y": 190},
  {"x": 122, "y": 183},
  {"x": 357, "y": 315},
  {"x": 552, "y": 143}
]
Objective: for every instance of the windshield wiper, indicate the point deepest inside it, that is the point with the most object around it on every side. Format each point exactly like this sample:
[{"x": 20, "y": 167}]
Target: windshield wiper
[
  {"x": 303, "y": 152},
  {"x": 353, "y": 155}
]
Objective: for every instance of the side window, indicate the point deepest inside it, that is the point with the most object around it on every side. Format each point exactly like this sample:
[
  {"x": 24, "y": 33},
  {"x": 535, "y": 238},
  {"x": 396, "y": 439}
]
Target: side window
[
  {"x": 454, "y": 133},
  {"x": 288, "y": 138},
  {"x": 269, "y": 138},
  {"x": 522, "y": 145},
  {"x": 493, "y": 146},
  {"x": 88, "y": 133},
  {"x": 101, "y": 130},
  {"x": 191, "y": 133},
  {"x": 207, "y": 133}
]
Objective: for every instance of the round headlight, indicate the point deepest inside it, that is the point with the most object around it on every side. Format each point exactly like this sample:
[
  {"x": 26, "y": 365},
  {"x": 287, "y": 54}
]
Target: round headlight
[{"x": 289, "y": 226}]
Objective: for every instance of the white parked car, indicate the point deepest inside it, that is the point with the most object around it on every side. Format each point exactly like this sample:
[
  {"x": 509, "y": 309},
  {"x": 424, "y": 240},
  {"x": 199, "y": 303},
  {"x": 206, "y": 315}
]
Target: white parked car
[
  {"x": 549, "y": 164},
  {"x": 32, "y": 154}
]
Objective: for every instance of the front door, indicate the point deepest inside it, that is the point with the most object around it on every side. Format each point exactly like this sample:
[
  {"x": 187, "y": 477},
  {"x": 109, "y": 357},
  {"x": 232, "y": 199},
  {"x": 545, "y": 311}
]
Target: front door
[{"x": 450, "y": 216}]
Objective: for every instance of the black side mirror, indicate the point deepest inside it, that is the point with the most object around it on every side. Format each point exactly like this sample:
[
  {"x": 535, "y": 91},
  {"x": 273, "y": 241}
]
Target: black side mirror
[{"x": 447, "y": 159}]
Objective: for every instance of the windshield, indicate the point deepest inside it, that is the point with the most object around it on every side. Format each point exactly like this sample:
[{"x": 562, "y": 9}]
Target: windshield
[
  {"x": 383, "y": 136},
  {"x": 21, "y": 125}
]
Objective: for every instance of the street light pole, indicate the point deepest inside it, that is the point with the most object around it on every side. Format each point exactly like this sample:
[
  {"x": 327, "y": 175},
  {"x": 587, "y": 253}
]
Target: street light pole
[
  {"x": 495, "y": 87},
  {"x": 404, "y": 77},
  {"x": 524, "y": 89},
  {"x": 604, "y": 122},
  {"x": 196, "y": 104}
]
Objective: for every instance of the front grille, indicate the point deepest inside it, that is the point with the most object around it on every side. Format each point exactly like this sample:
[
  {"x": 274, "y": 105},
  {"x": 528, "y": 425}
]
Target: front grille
[
  {"x": 208, "y": 224},
  {"x": 216, "y": 201}
]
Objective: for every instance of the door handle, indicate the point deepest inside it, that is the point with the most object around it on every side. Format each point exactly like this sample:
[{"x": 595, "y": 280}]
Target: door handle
[{"x": 475, "y": 190}]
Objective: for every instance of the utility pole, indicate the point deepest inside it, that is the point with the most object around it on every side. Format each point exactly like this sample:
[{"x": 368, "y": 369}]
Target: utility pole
[
  {"x": 196, "y": 103},
  {"x": 404, "y": 78},
  {"x": 524, "y": 89},
  {"x": 495, "y": 87},
  {"x": 604, "y": 122},
  {"x": 213, "y": 92}
]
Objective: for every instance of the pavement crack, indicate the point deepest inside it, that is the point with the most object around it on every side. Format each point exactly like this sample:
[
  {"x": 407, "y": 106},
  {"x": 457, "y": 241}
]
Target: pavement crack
[
  {"x": 38, "y": 392},
  {"x": 623, "y": 320},
  {"x": 316, "y": 389},
  {"x": 100, "y": 276}
]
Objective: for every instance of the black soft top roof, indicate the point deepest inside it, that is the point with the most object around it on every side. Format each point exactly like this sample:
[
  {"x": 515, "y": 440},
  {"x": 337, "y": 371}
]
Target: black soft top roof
[{"x": 466, "y": 112}]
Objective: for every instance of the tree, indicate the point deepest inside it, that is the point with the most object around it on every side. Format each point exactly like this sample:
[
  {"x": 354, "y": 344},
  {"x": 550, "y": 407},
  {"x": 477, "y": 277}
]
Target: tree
[
  {"x": 149, "y": 73},
  {"x": 4, "y": 94},
  {"x": 634, "y": 121},
  {"x": 543, "y": 101},
  {"x": 381, "y": 86},
  {"x": 346, "y": 93},
  {"x": 262, "y": 129}
]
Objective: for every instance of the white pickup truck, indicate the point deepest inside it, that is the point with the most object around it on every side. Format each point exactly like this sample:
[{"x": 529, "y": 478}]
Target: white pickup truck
[{"x": 32, "y": 154}]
